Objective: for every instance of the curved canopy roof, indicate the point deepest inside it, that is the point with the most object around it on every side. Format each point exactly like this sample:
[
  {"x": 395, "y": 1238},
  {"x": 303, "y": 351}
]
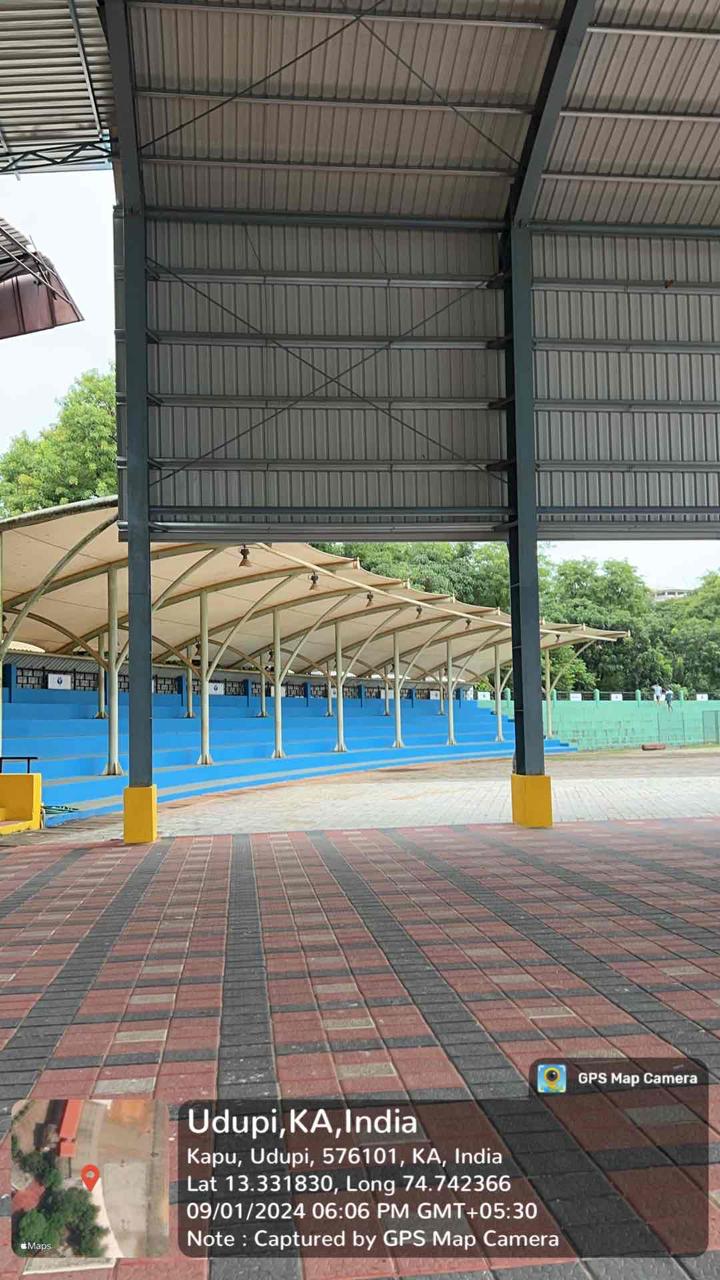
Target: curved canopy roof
[
  {"x": 57, "y": 565},
  {"x": 32, "y": 295}
]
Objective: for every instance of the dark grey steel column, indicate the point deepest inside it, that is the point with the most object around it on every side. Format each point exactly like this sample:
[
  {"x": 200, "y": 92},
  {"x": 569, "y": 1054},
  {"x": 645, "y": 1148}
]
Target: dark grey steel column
[
  {"x": 138, "y": 505},
  {"x": 137, "y": 497},
  {"x": 522, "y": 541}
]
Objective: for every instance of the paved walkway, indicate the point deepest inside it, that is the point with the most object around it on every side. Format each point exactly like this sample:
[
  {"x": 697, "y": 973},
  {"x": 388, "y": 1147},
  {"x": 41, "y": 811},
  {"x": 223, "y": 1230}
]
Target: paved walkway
[
  {"x": 423, "y": 963},
  {"x": 614, "y": 785}
]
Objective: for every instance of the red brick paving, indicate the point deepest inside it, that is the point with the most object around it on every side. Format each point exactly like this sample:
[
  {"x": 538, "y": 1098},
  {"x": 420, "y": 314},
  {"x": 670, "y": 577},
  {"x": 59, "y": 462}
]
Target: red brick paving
[{"x": 642, "y": 898}]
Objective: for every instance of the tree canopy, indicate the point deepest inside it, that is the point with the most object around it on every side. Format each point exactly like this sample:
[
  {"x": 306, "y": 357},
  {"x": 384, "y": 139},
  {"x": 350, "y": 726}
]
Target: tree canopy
[
  {"x": 675, "y": 643},
  {"x": 70, "y": 460}
]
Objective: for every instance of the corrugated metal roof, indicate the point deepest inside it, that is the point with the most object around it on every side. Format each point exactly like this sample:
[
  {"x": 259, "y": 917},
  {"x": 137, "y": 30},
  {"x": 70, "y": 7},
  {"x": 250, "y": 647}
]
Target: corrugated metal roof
[{"x": 55, "y": 85}]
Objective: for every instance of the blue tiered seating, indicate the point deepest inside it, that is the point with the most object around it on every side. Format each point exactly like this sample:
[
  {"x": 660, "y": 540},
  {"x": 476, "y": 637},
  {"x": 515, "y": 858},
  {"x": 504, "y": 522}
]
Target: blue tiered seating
[{"x": 71, "y": 744}]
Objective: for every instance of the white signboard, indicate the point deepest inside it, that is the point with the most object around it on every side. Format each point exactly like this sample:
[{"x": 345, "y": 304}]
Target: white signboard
[
  {"x": 616, "y": 697},
  {"x": 59, "y": 680},
  {"x": 217, "y": 687},
  {"x": 484, "y": 695},
  {"x": 576, "y": 697},
  {"x": 434, "y": 695},
  {"x": 701, "y": 697}
]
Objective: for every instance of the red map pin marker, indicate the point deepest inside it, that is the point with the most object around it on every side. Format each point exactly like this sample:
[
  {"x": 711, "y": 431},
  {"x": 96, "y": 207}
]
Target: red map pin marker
[{"x": 90, "y": 1174}]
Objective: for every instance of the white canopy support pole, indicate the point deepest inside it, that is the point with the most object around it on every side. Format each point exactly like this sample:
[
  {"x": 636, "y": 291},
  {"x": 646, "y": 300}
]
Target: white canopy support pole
[
  {"x": 548, "y": 697},
  {"x": 205, "y": 757},
  {"x": 190, "y": 676},
  {"x": 450, "y": 695},
  {"x": 398, "y": 691},
  {"x": 339, "y": 699},
  {"x": 386, "y": 693},
  {"x": 278, "y": 753},
  {"x": 441, "y": 687},
  {"x": 101, "y": 713},
  {"x": 499, "y": 736},
  {"x": 113, "y": 767},
  {"x": 262, "y": 713},
  {"x": 328, "y": 691}
]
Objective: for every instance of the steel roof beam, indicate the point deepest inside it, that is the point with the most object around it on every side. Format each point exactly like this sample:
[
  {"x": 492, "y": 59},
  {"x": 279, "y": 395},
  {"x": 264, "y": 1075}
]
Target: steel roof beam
[
  {"x": 361, "y": 465},
  {"x": 326, "y": 342},
  {"x": 552, "y": 96},
  {"x": 657, "y": 230},
  {"x": 87, "y": 76},
  {"x": 259, "y": 218},
  {"x": 443, "y": 19},
  {"x": 380, "y": 104},
  {"x": 223, "y": 275},
  {"x": 431, "y": 104},
  {"x": 379, "y": 403},
  {"x": 589, "y": 285},
  {"x": 328, "y": 166}
]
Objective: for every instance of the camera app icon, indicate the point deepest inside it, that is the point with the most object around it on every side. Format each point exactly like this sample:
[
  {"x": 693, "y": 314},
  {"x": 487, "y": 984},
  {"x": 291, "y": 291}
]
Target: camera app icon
[{"x": 552, "y": 1077}]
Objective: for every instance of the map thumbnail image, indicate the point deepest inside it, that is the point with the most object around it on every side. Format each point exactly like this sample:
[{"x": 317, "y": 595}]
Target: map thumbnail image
[{"x": 89, "y": 1180}]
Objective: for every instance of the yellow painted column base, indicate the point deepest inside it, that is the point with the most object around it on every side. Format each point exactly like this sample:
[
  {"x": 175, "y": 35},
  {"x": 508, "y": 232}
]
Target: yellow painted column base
[
  {"x": 531, "y": 800},
  {"x": 20, "y": 802},
  {"x": 140, "y": 815}
]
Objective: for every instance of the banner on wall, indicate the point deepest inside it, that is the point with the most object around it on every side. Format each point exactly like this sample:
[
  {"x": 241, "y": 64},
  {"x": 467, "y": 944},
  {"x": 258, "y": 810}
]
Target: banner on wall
[
  {"x": 217, "y": 688},
  {"x": 59, "y": 680}
]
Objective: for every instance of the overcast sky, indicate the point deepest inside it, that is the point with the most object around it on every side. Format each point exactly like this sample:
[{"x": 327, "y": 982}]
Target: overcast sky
[{"x": 69, "y": 217}]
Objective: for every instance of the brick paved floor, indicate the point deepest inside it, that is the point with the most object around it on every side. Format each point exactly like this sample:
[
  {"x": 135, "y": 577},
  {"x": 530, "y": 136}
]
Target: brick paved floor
[
  {"x": 431, "y": 962},
  {"x": 592, "y": 785}
]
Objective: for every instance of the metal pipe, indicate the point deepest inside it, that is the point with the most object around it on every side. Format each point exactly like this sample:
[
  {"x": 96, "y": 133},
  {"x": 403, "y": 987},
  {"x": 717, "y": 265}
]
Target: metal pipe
[
  {"x": 398, "y": 691},
  {"x": 441, "y": 687},
  {"x": 386, "y": 695},
  {"x": 499, "y": 736},
  {"x": 548, "y": 697},
  {"x": 278, "y": 753},
  {"x": 339, "y": 681},
  {"x": 263, "y": 692},
  {"x": 205, "y": 757},
  {"x": 189, "y": 677},
  {"x": 328, "y": 692},
  {"x": 101, "y": 713},
  {"x": 113, "y": 767},
  {"x": 450, "y": 695}
]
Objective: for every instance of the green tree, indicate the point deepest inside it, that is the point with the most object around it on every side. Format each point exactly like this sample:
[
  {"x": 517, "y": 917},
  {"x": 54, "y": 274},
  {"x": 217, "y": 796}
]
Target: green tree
[
  {"x": 70, "y": 460},
  {"x": 614, "y": 597},
  {"x": 34, "y": 1229},
  {"x": 692, "y": 630}
]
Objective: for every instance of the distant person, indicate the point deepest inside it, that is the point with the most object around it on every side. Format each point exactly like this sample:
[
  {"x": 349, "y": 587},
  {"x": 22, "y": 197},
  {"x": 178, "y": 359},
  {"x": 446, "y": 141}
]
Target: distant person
[
  {"x": 669, "y": 695},
  {"x": 657, "y": 692}
]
